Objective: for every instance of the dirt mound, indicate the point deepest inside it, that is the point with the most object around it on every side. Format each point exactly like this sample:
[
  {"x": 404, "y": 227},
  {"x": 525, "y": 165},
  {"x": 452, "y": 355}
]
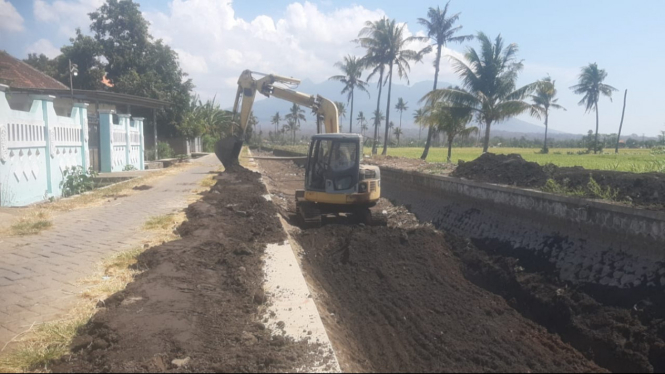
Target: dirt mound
[
  {"x": 509, "y": 169},
  {"x": 647, "y": 189},
  {"x": 200, "y": 299},
  {"x": 405, "y": 306},
  {"x": 621, "y": 338}
]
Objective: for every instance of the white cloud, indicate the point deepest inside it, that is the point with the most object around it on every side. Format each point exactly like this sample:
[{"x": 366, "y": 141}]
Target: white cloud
[
  {"x": 10, "y": 19},
  {"x": 67, "y": 14},
  {"x": 43, "y": 46},
  {"x": 215, "y": 45}
]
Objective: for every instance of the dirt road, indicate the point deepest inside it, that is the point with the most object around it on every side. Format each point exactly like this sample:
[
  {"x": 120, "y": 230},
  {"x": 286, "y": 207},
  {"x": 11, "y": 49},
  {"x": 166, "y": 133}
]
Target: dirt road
[{"x": 395, "y": 299}]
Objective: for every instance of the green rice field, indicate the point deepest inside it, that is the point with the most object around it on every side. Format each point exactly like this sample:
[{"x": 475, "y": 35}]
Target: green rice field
[{"x": 631, "y": 160}]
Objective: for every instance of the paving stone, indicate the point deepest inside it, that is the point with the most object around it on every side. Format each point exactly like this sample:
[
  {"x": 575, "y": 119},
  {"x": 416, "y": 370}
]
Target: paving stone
[{"x": 44, "y": 268}]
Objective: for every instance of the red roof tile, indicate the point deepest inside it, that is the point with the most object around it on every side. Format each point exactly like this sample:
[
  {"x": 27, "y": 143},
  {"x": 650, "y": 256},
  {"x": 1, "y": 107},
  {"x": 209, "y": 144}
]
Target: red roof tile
[{"x": 21, "y": 75}]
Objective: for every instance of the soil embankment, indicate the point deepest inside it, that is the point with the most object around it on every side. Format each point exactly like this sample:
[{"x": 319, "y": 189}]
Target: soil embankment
[
  {"x": 640, "y": 189},
  {"x": 395, "y": 299},
  {"x": 201, "y": 297}
]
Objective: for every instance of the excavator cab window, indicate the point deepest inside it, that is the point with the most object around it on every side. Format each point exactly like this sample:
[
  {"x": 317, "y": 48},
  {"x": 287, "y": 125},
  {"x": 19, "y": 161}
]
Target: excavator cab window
[{"x": 333, "y": 165}]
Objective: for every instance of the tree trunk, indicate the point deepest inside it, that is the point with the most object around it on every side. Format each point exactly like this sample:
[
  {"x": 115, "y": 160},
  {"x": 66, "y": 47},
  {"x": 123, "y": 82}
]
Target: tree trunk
[
  {"x": 595, "y": 142},
  {"x": 486, "y": 142},
  {"x": 351, "y": 117},
  {"x": 545, "y": 149},
  {"x": 377, "y": 119},
  {"x": 616, "y": 150},
  {"x": 390, "y": 87},
  {"x": 450, "y": 147},
  {"x": 428, "y": 143}
]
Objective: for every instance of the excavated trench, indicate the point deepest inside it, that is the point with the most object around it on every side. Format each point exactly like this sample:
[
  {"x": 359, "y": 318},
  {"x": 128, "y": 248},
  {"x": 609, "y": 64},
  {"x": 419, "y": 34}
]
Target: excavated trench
[{"x": 409, "y": 297}]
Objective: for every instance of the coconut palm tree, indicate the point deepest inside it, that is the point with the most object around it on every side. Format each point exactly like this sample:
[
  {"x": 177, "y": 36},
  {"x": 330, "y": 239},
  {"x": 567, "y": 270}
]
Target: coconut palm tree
[
  {"x": 398, "y": 132},
  {"x": 362, "y": 122},
  {"x": 391, "y": 126},
  {"x": 544, "y": 99},
  {"x": 592, "y": 87},
  {"x": 441, "y": 30},
  {"x": 296, "y": 114},
  {"x": 376, "y": 120},
  {"x": 452, "y": 121},
  {"x": 275, "y": 120},
  {"x": 417, "y": 119},
  {"x": 341, "y": 112},
  {"x": 370, "y": 38},
  {"x": 386, "y": 44},
  {"x": 401, "y": 107},
  {"x": 352, "y": 67},
  {"x": 489, "y": 77}
]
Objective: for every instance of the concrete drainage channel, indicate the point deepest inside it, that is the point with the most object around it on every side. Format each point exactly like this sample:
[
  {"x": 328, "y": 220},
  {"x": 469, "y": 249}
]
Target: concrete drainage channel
[{"x": 588, "y": 272}]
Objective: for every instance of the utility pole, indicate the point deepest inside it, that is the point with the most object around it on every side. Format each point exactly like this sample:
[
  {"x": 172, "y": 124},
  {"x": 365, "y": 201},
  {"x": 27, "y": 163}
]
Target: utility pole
[
  {"x": 73, "y": 71},
  {"x": 616, "y": 150}
]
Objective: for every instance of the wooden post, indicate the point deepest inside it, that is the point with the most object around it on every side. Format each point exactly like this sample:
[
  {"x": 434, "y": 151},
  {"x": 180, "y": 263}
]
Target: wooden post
[{"x": 616, "y": 150}]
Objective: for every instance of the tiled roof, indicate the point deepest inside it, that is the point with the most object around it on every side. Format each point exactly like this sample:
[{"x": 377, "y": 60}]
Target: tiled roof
[{"x": 18, "y": 74}]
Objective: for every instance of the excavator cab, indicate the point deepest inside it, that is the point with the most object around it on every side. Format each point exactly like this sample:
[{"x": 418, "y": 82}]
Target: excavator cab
[{"x": 337, "y": 182}]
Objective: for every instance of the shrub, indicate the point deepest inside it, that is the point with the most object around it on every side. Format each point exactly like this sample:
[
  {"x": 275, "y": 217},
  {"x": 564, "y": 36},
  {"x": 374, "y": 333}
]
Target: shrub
[
  {"x": 182, "y": 157},
  {"x": 164, "y": 150},
  {"x": 209, "y": 143},
  {"x": 76, "y": 180},
  {"x": 129, "y": 168}
]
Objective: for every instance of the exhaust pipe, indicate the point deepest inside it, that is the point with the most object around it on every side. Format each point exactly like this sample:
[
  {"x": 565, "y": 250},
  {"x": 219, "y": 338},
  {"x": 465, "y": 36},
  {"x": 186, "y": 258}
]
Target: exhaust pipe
[{"x": 228, "y": 151}]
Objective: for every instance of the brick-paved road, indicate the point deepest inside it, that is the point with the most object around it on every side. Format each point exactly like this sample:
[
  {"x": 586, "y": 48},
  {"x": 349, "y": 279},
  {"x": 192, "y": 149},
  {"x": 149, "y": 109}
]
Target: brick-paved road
[{"x": 38, "y": 273}]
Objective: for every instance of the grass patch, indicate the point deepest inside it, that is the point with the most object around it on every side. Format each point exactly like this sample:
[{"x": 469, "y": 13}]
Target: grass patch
[
  {"x": 630, "y": 160},
  {"x": 592, "y": 190},
  {"x": 41, "y": 345},
  {"x": 208, "y": 182},
  {"x": 31, "y": 224}
]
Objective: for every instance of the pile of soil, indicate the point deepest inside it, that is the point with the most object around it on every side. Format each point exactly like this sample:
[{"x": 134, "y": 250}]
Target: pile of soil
[
  {"x": 201, "y": 299},
  {"x": 509, "y": 169},
  {"x": 405, "y": 306},
  {"x": 624, "y": 333},
  {"x": 646, "y": 190}
]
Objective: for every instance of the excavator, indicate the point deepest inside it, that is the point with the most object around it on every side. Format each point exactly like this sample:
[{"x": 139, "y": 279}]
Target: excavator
[{"x": 336, "y": 183}]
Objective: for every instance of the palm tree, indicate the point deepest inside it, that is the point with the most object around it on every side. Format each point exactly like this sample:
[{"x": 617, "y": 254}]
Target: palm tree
[
  {"x": 450, "y": 120},
  {"x": 378, "y": 117},
  {"x": 392, "y": 42},
  {"x": 418, "y": 116},
  {"x": 370, "y": 38},
  {"x": 391, "y": 126},
  {"x": 398, "y": 133},
  {"x": 296, "y": 114},
  {"x": 441, "y": 30},
  {"x": 361, "y": 121},
  {"x": 543, "y": 100},
  {"x": 401, "y": 107},
  {"x": 592, "y": 87},
  {"x": 275, "y": 120},
  {"x": 489, "y": 79},
  {"x": 341, "y": 112},
  {"x": 352, "y": 67}
]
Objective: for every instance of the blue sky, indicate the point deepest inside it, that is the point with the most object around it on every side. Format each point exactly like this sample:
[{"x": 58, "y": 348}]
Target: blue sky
[{"x": 217, "y": 39}]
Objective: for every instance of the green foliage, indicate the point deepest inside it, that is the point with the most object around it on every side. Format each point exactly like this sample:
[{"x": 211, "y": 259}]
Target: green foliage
[
  {"x": 76, "y": 180},
  {"x": 150, "y": 154},
  {"x": 209, "y": 142},
  {"x": 659, "y": 150},
  {"x": 182, "y": 157},
  {"x": 164, "y": 150},
  {"x": 591, "y": 190},
  {"x": 129, "y": 168},
  {"x": 489, "y": 78}
]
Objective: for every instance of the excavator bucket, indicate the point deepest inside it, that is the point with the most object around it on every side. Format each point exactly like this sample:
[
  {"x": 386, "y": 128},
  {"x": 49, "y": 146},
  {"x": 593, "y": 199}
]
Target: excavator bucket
[{"x": 228, "y": 151}]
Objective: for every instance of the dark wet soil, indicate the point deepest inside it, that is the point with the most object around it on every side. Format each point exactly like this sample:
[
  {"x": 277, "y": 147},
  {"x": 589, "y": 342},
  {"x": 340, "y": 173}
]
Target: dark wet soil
[{"x": 200, "y": 298}]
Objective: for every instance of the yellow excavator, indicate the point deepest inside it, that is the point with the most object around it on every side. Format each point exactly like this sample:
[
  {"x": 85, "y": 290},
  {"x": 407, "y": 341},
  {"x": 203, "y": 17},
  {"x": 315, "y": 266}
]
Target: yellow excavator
[{"x": 335, "y": 180}]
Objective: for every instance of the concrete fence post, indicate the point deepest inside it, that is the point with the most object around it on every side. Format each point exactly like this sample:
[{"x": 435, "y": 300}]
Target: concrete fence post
[
  {"x": 124, "y": 122},
  {"x": 83, "y": 116},
  {"x": 106, "y": 140},
  {"x": 50, "y": 120},
  {"x": 140, "y": 120}
]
